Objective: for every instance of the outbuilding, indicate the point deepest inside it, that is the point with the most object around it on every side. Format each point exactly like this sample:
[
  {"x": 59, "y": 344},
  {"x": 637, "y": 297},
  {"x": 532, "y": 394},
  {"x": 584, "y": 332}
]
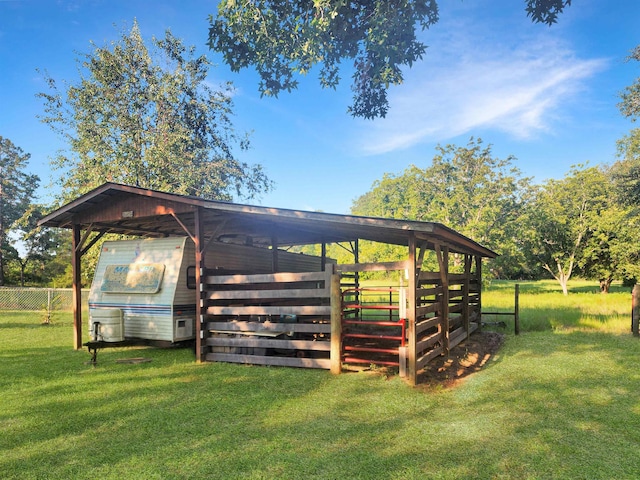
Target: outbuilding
[{"x": 266, "y": 307}]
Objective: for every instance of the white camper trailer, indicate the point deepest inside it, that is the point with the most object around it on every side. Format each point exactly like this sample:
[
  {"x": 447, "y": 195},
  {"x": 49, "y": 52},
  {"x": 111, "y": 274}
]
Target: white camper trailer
[{"x": 145, "y": 289}]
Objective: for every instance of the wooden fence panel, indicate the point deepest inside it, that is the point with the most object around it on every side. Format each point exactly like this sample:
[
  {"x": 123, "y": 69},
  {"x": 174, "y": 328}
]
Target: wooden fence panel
[
  {"x": 269, "y": 319},
  {"x": 462, "y": 313}
]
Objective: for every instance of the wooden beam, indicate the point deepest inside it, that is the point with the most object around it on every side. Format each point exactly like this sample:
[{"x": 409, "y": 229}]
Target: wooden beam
[
  {"x": 92, "y": 243},
  {"x": 479, "y": 280},
  {"x": 184, "y": 227},
  {"x": 198, "y": 240},
  {"x": 262, "y": 327},
  {"x": 274, "y": 255},
  {"x": 336, "y": 325},
  {"x": 323, "y": 363},
  {"x": 443, "y": 262},
  {"x": 77, "y": 287},
  {"x": 372, "y": 267},
  {"x": 465, "y": 293},
  {"x": 412, "y": 374},
  {"x": 318, "y": 310},
  {"x": 262, "y": 342}
]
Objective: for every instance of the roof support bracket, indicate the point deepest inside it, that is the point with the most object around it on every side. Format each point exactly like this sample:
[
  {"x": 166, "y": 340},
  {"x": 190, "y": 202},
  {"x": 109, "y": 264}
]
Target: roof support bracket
[{"x": 184, "y": 227}]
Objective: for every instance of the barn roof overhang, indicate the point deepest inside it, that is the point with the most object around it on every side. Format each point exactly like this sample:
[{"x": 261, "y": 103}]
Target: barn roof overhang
[{"x": 130, "y": 210}]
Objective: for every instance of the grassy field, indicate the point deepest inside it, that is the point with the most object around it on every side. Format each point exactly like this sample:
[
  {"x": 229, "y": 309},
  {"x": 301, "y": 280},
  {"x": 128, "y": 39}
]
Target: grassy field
[{"x": 562, "y": 400}]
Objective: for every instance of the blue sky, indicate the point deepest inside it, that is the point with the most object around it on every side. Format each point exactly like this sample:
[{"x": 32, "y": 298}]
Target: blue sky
[{"x": 546, "y": 95}]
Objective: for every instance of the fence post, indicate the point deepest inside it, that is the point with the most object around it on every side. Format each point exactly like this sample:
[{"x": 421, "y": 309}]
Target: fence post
[
  {"x": 635, "y": 310},
  {"x": 48, "y": 306},
  {"x": 336, "y": 324},
  {"x": 516, "y": 310}
]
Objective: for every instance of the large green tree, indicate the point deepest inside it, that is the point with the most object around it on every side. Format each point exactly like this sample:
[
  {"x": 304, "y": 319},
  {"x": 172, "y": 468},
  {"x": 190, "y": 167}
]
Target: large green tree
[
  {"x": 465, "y": 188},
  {"x": 37, "y": 257},
  {"x": 379, "y": 37},
  {"x": 627, "y": 170},
  {"x": 17, "y": 189},
  {"x": 149, "y": 117},
  {"x": 565, "y": 212},
  {"x": 612, "y": 246}
]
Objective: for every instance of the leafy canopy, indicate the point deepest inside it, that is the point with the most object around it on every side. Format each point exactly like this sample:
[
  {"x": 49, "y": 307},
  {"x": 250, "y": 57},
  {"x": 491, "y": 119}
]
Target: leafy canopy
[
  {"x": 148, "y": 117},
  {"x": 16, "y": 193},
  {"x": 465, "y": 188},
  {"x": 283, "y": 38}
]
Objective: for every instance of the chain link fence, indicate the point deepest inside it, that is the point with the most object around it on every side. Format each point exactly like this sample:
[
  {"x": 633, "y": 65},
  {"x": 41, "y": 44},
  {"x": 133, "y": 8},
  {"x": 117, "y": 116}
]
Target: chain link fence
[{"x": 39, "y": 299}]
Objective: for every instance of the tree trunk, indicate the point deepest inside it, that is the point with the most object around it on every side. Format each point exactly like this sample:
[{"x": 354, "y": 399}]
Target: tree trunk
[{"x": 605, "y": 284}]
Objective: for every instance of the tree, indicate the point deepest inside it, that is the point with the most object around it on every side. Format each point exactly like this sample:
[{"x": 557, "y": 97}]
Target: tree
[
  {"x": 465, "y": 188},
  {"x": 627, "y": 170},
  {"x": 281, "y": 39},
  {"x": 40, "y": 246},
  {"x": 561, "y": 218},
  {"x": 630, "y": 97},
  {"x": 148, "y": 117},
  {"x": 612, "y": 246},
  {"x": 16, "y": 193}
]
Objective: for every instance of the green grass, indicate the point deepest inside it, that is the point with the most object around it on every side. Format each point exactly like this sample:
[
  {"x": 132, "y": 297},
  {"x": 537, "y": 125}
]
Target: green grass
[
  {"x": 562, "y": 400},
  {"x": 543, "y": 307}
]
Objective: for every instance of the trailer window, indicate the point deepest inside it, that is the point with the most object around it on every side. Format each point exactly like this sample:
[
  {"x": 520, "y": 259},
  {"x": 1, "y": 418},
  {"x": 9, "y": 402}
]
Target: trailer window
[
  {"x": 191, "y": 277},
  {"x": 133, "y": 278}
]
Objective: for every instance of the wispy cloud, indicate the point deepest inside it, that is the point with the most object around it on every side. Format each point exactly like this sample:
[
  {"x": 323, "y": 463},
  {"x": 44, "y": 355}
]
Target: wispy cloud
[{"x": 465, "y": 85}]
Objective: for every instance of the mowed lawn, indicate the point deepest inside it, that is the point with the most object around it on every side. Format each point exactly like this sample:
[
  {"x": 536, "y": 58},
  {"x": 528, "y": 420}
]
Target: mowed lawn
[{"x": 562, "y": 400}]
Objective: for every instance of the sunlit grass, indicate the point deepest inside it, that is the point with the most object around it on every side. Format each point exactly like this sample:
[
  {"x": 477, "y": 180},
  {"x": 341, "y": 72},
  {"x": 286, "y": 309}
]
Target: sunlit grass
[
  {"x": 544, "y": 307},
  {"x": 561, "y": 400}
]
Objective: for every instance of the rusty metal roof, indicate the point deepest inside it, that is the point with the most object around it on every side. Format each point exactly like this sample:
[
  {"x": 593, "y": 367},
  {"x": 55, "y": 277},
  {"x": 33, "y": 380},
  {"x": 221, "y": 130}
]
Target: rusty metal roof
[{"x": 125, "y": 209}]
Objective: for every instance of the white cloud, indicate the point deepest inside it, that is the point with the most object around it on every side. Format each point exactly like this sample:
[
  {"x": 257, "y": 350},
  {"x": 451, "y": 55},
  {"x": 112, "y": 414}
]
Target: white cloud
[{"x": 464, "y": 85}]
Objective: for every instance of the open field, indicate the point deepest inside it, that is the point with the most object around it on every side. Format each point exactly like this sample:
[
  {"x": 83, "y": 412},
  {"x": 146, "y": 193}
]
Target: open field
[{"x": 562, "y": 400}]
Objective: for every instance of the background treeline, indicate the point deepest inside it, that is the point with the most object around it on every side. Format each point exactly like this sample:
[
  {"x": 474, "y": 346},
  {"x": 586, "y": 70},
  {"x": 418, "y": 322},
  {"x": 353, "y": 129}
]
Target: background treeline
[{"x": 585, "y": 224}]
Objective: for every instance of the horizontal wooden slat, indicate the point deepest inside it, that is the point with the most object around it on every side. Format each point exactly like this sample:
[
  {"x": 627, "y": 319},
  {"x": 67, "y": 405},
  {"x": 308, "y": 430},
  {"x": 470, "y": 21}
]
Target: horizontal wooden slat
[
  {"x": 425, "y": 292},
  {"x": 323, "y": 363},
  {"x": 280, "y": 310},
  {"x": 421, "y": 311},
  {"x": 257, "y": 342},
  {"x": 455, "y": 278},
  {"x": 457, "y": 336},
  {"x": 269, "y": 327},
  {"x": 422, "y": 361},
  {"x": 429, "y": 276},
  {"x": 372, "y": 267},
  {"x": 428, "y": 342},
  {"x": 456, "y": 308},
  {"x": 284, "y": 277},
  {"x": 267, "y": 294},
  {"x": 427, "y": 324}
]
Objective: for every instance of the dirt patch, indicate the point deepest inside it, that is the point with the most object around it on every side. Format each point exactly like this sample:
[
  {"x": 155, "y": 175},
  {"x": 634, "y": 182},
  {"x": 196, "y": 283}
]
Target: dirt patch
[{"x": 466, "y": 358}]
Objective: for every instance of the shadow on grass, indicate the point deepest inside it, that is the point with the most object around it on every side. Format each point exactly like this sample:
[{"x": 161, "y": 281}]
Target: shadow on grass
[{"x": 557, "y": 407}]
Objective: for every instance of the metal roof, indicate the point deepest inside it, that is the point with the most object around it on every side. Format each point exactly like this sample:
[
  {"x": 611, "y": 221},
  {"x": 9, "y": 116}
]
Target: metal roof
[{"x": 126, "y": 209}]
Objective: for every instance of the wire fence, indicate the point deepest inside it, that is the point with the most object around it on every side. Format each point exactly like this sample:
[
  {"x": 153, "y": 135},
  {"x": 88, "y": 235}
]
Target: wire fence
[{"x": 39, "y": 299}]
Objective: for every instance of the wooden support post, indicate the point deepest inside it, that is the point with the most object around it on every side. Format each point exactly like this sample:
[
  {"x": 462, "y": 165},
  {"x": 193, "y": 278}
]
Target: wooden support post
[
  {"x": 465, "y": 293},
  {"x": 402, "y": 360},
  {"x": 198, "y": 240},
  {"x": 635, "y": 310},
  {"x": 479, "y": 280},
  {"x": 412, "y": 374},
  {"x": 516, "y": 310},
  {"x": 336, "y": 324},
  {"x": 77, "y": 287},
  {"x": 443, "y": 261},
  {"x": 274, "y": 255}
]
